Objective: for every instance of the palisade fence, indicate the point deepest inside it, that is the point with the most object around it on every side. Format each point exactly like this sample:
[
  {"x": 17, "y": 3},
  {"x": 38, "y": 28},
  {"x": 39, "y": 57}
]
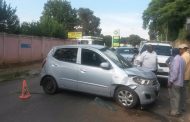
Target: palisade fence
[{"x": 23, "y": 49}]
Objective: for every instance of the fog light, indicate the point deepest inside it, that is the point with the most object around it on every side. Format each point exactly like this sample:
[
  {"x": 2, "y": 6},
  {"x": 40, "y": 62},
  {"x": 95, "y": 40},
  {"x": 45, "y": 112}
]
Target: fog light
[{"x": 147, "y": 96}]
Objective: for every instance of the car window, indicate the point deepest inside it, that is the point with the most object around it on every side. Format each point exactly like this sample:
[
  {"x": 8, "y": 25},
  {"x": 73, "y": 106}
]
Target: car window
[
  {"x": 98, "y": 42},
  {"x": 125, "y": 50},
  {"x": 84, "y": 42},
  {"x": 91, "y": 58},
  {"x": 66, "y": 54},
  {"x": 159, "y": 49},
  {"x": 116, "y": 58}
]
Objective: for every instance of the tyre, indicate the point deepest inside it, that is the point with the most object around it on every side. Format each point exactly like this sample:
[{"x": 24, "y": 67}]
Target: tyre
[
  {"x": 126, "y": 97},
  {"x": 49, "y": 85}
]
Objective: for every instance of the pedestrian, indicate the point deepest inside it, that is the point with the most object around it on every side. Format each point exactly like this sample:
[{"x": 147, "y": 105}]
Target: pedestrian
[
  {"x": 175, "y": 82},
  {"x": 186, "y": 56},
  {"x": 148, "y": 59}
]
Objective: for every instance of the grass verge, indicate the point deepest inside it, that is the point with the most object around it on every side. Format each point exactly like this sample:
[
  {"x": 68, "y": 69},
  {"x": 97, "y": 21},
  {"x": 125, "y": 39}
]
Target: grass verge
[{"x": 14, "y": 75}]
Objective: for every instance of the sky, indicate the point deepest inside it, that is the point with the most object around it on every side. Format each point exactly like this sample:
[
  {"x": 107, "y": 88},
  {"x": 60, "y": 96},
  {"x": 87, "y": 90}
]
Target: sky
[{"x": 122, "y": 15}]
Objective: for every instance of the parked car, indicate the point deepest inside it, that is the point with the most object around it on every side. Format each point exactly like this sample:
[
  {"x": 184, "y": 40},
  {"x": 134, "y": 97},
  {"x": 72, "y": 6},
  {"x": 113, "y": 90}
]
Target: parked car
[
  {"x": 127, "y": 52},
  {"x": 98, "y": 70},
  {"x": 163, "y": 51}
]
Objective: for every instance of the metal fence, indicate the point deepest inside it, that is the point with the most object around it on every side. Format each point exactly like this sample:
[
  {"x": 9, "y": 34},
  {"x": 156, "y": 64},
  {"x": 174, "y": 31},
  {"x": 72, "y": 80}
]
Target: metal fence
[{"x": 22, "y": 49}]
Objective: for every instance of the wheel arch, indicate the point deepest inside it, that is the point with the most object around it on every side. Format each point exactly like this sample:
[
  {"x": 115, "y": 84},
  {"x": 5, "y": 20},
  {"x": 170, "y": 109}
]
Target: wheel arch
[
  {"x": 116, "y": 86},
  {"x": 132, "y": 91}
]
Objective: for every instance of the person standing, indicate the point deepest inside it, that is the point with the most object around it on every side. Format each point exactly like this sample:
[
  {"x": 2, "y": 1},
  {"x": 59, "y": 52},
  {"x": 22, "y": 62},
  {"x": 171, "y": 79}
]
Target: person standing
[
  {"x": 175, "y": 82},
  {"x": 148, "y": 59},
  {"x": 186, "y": 56}
]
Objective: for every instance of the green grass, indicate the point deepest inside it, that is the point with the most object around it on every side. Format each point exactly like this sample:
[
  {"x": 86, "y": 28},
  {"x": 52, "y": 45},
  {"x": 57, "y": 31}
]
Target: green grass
[{"x": 13, "y": 75}]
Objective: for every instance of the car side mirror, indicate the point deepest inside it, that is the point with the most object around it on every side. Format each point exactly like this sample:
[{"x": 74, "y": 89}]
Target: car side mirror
[{"x": 105, "y": 65}]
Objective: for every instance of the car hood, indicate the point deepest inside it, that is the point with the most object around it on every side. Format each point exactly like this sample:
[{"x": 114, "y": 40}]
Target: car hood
[
  {"x": 142, "y": 72},
  {"x": 162, "y": 59}
]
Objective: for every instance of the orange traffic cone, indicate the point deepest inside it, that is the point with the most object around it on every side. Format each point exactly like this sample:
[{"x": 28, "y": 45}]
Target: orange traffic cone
[{"x": 25, "y": 92}]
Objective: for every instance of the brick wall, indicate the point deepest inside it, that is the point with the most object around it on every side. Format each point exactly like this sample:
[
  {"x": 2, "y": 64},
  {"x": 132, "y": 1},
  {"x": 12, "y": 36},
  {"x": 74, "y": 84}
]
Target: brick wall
[{"x": 22, "y": 49}]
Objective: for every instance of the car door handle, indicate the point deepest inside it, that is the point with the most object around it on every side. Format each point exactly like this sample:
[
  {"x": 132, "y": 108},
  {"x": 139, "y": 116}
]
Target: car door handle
[{"x": 82, "y": 70}]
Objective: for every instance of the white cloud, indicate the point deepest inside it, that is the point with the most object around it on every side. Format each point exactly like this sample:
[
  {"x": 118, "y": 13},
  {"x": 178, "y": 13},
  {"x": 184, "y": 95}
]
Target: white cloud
[{"x": 127, "y": 23}]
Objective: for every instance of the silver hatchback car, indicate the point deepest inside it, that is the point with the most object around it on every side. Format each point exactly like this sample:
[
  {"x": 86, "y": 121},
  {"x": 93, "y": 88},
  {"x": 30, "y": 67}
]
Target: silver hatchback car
[{"x": 97, "y": 70}]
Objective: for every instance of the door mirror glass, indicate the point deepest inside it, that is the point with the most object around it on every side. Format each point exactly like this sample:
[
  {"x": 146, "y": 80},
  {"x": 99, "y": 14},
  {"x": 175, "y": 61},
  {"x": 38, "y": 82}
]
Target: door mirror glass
[{"x": 105, "y": 65}]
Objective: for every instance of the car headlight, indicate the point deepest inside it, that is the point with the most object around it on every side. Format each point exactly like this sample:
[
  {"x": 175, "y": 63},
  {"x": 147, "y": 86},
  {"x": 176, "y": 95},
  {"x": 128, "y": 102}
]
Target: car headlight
[{"x": 142, "y": 81}]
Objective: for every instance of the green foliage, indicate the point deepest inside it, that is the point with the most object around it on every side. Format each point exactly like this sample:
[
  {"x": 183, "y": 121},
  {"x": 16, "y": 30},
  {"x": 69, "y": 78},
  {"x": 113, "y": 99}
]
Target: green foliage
[
  {"x": 51, "y": 27},
  {"x": 166, "y": 17},
  {"x": 107, "y": 40},
  {"x": 58, "y": 18},
  {"x": 184, "y": 34},
  {"x": 89, "y": 23},
  {"x": 32, "y": 28},
  {"x": 9, "y": 22},
  {"x": 134, "y": 40}
]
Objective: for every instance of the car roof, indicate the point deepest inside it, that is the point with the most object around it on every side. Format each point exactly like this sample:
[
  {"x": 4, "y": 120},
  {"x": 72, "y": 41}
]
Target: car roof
[
  {"x": 125, "y": 47},
  {"x": 157, "y": 43},
  {"x": 80, "y": 46}
]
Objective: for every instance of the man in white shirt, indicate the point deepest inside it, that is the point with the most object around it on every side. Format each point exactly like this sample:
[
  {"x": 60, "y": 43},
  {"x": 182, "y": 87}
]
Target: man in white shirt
[{"x": 148, "y": 59}]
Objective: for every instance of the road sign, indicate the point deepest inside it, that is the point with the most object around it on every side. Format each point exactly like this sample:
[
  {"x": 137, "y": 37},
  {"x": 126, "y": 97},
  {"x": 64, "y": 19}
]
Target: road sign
[
  {"x": 74, "y": 35},
  {"x": 116, "y": 33},
  {"x": 115, "y": 41}
]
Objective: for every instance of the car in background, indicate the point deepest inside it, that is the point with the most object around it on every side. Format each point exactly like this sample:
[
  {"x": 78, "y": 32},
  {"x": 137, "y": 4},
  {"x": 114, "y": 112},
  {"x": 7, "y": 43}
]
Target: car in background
[
  {"x": 128, "y": 53},
  {"x": 163, "y": 51},
  {"x": 97, "y": 70}
]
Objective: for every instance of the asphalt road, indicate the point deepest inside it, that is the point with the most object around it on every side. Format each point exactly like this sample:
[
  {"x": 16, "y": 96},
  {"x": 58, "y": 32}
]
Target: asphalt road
[{"x": 68, "y": 106}]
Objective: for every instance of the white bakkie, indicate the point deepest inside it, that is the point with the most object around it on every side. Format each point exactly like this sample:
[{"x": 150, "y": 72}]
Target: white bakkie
[{"x": 163, "y": 51}]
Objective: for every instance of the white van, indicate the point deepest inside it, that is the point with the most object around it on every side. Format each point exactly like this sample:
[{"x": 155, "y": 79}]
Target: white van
[
  {"x": 163, "y": 51},
  {"x": 91, "y": 40}
]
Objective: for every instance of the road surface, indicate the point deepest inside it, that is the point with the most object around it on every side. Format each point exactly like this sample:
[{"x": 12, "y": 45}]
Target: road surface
[{"x": 68, "y": 106}]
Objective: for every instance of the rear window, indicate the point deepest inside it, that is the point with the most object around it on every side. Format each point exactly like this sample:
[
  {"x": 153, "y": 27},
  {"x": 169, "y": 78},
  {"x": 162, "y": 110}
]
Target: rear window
[
  {"x": 66, "y": 54},
  {"x": 159, "y": 49}
]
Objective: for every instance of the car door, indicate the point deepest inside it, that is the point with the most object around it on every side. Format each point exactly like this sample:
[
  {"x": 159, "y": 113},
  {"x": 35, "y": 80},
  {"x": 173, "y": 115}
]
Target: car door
[
  {"x": 65, "y": 68},
  {"x": 93, "y": 78}
]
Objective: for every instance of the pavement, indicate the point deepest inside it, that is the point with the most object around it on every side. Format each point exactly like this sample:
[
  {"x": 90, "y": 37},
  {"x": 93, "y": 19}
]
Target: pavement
[{"x": 20, "y": 71}]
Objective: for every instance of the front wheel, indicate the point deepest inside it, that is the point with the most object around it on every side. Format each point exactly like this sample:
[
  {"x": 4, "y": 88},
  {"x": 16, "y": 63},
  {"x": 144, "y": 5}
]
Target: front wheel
[
  {"x": 126, "y": 97},
  {"x": 49, "y": 85}
]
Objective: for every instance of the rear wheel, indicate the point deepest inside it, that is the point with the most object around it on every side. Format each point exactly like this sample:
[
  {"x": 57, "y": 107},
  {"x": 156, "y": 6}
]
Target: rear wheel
[
  {"x": 49, "y": 85},
  {"x": 126, "y": 97}
]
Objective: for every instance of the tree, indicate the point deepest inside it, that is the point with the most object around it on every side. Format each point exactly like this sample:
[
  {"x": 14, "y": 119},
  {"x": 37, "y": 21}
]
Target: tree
[
  {"x": 52, "y": 28},
  {"x": 134, "y": 40},
  {"x": 8, "y": 19},
  {"x": 60, "y": 13},
  {"x": 89, "y": 23},
  {"x": 166, "y": 18},
  {"x": 107, "y": 40},
  {"x": 32, "y": 28}
]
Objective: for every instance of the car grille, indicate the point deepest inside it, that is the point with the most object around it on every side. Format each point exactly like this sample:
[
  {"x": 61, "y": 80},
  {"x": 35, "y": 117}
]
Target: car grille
[
  {"x": 163, "y": 65},
  {"x": 163, "y": 73}
]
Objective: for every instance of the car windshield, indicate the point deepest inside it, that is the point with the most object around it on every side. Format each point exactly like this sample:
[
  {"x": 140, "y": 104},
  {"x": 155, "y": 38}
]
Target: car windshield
[
  {"x": 160, "y": 49},
  {"x": 116, "y": 58},
  {"x": 125, "y": 50}
]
